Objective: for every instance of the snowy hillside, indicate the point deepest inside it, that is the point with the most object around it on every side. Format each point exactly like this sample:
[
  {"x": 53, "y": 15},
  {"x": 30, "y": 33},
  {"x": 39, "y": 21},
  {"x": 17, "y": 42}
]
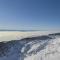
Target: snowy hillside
[{"x": 42, "y": 47}]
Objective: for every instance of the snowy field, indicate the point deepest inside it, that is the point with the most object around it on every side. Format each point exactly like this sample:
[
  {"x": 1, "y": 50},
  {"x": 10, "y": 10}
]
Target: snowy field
[{"x": 37, "y": 45}]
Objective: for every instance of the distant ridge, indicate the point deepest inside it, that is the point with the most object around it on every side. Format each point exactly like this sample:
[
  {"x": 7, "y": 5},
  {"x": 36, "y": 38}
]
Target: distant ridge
[{"x": 20, "y": 30}]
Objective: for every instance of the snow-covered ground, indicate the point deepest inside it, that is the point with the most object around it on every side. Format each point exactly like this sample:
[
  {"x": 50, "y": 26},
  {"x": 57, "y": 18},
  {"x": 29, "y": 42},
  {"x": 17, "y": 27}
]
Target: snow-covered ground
[
  {"x": 37, "y": 45},
  {"x": 51, "y": 51}
]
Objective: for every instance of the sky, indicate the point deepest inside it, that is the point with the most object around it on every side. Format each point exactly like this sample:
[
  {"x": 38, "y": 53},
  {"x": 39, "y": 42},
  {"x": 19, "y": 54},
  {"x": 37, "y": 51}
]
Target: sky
[{"x": 30, "y": 14}]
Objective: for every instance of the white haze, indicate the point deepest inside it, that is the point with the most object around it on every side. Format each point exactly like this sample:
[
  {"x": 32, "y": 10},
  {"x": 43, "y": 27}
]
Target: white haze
[{"x": 16, "y": 35}]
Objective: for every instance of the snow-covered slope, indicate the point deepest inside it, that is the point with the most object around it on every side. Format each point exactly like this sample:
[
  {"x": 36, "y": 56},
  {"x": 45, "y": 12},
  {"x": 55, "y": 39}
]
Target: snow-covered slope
[
  {"x": 50, "y": 52},
  {"x": 43, "y": 47}
]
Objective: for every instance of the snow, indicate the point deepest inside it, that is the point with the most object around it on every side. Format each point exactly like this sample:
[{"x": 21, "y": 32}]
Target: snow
[
  {"x": 28, "y": 51},
  {"x": 51, "y": 52}
]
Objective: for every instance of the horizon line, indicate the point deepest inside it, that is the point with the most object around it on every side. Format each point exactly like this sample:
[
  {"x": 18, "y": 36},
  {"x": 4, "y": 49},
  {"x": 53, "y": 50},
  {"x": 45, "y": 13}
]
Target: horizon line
[{"x": 20, "y": 30}]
